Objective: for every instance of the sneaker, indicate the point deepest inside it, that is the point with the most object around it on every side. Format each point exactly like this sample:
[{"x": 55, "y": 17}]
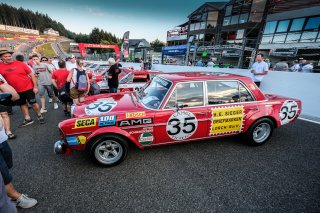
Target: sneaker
[
  {"x": 50, "y": 100},
  {"x": 55, "y": 106},
  {"x": 41, "y": 119},
  {"x": 26, "y": 122},
  {"x": 43, "y": 110},
  {"x": 11, "y": 136},
  {"x": 25, "y": 202}
]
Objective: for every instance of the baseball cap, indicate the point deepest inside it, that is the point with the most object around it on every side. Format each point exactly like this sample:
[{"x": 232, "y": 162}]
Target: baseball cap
[{"x": 4, "y": 50}]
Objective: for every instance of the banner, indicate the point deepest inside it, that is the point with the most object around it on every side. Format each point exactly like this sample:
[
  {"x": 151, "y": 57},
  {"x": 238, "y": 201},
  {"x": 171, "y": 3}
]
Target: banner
[{"x": 125, "y": 45}]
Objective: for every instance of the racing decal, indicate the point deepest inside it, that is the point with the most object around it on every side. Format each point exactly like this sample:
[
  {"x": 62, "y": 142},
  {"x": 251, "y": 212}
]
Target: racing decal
[
  {"x": 181, "y": 125},
  {"x": 73, "y": 141},
  {"x": 109, "y": 120},
  {"x": 143, "y": 130},
  {"x": 226, "y": 120},
  {"x": 288, "y": 111},
  {"x": 84, "y": 123},
  {"x": 100, "y": 107},
  {"x": 135, "y": 114},
  {"x": 135, "y": 122},
  {"x": 146, "y": 138}
]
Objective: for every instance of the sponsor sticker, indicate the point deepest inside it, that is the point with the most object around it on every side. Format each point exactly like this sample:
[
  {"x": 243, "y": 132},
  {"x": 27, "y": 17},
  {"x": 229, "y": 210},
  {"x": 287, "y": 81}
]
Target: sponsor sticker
[
  {"x": 109, "y": 120},
  {"x": 140, "y": 131},
  {"x": 146, "y": 138},
  {"x": 135, "y": 114},
  {"x": 84, "y": 123},
  {"x": 227, "y": 120},
  {"x": 74, "y": 140},
  {"x": 288, "y": 111},
  {"x": 135, "y": 122},
  {"x": 181, "y": 125}
]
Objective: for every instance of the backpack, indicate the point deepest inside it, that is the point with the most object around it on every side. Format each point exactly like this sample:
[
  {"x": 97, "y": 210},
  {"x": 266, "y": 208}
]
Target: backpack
[
  {"x": 64, "y": 93},
  {"x": 82, "y": 82}
]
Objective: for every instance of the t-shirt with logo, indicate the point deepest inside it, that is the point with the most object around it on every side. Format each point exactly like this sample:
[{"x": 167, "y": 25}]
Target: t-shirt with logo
[
  {"x": 17, "y": 75},
  {"x": 61, "y": 76},
  {"x": 44, "y": 74}
]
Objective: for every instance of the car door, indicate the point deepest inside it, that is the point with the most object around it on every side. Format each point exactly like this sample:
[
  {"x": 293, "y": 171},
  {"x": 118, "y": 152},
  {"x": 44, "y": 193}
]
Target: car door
[
  {"x": 230, "y": 105},
  {"x": 187, "y": 122}
]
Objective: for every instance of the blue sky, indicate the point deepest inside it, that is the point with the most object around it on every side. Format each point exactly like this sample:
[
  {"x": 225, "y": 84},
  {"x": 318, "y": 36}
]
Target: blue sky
[{"x": 149, "y": 19}]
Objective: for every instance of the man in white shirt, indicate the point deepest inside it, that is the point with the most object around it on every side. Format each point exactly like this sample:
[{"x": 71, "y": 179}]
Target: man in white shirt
[
  {"x": 71, "y": 63},
  {"x": 259, "y": 69}
]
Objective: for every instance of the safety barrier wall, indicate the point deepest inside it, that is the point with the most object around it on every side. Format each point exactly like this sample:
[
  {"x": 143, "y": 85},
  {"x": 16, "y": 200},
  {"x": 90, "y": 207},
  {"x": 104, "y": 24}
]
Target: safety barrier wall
[{"x": 303, "y": 86}]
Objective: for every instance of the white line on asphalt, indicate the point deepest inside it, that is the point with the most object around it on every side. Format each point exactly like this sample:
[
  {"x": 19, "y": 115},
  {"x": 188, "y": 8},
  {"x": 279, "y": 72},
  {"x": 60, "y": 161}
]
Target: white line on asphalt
[{"x": 312, "y": 121}]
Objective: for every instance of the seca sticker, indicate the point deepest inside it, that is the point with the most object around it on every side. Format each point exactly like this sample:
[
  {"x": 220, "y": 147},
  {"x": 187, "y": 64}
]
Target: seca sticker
[
  {"x": 181, "y": 125},
  {"x": 100, "y": 107},
  {"x": 288, "y": 111}
]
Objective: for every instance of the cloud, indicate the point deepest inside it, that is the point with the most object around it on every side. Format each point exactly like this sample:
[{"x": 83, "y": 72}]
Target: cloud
[{"x": 95, "y": 12}]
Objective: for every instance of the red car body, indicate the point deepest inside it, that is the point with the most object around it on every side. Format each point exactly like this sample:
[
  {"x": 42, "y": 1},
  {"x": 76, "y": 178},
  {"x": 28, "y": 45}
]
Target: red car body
[{"x": 174, "y": 108}]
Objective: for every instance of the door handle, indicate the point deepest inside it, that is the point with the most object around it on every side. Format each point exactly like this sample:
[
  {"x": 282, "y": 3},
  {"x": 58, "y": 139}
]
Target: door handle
[
  {"x": 253, "y": 108},
  {"x": 201, "y": 113}
]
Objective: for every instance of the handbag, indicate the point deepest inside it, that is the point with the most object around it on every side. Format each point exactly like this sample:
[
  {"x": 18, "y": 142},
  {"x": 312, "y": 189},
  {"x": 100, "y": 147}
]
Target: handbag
[{"x": 94, "y": 88}]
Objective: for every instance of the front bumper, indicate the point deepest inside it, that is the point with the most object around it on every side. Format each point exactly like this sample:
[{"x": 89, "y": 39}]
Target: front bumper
[{"x": 60, "y": 147}]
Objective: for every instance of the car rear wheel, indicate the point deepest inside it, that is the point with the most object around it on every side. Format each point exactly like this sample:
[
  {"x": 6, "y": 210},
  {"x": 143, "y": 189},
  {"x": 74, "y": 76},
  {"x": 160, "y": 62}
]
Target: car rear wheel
[
  {"x": 108, "y": 150},
  {"x": 260, "y": 132}
]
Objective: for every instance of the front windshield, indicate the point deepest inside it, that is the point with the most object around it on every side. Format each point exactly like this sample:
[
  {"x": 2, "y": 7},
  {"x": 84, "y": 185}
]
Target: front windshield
[{"x": 153, "y": 95}]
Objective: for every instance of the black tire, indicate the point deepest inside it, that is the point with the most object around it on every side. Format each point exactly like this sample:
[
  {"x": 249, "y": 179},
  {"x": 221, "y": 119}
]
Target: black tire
[
  {"x": 260, "y": 132},
  {"x": 108, "y": 150}
]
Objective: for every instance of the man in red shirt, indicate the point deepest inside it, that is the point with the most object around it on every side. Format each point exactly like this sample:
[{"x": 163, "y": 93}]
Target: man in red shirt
[
  {"x": 59, "y": 80},
  {"x": 21, "y": 78}
]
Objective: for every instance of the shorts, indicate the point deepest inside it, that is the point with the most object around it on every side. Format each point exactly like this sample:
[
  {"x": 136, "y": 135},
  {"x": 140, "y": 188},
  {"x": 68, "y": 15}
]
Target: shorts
[
  {"x": 26, "y": 96},
  {"x": 5, "y": 162},
  {"x": 44, "y": 88},
  {"x": 4, "y": 108},
  {"x": 75, "y": 94}
]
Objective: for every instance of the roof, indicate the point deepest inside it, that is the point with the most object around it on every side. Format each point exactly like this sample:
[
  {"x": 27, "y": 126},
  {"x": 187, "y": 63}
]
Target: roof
[
  {"x": 209, "y": 6},
  {"x": 138, "y": 43},
  {"x": 198, "y": 76},
  {"x": 287, "y": 5}
]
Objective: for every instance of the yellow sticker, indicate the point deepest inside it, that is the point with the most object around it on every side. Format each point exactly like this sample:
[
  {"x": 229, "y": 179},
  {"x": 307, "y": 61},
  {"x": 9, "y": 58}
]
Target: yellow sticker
[
  {"x": 83, "y": 123},
  {"x": 227, "y": 120},
  {"x": 82, "y": 139},
  {"x": 135, "y": 114}
]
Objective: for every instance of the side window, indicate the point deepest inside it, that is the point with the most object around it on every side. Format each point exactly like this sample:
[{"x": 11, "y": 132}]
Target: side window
[
  {"x": 187, "y": 94},
  {"x": 244, "y": 94},
  {"x": 222, "y": 92}
]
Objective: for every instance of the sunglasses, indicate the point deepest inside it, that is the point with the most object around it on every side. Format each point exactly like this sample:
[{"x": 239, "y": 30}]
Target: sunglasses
[{"x": 44, "y": 60}]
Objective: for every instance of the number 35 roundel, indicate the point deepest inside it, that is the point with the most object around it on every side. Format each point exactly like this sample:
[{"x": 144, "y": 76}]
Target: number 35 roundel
[
  {"x": 100, "y": 107},
  {"x": 288, "y": 111},
  {"x": 181, "y": 125}
]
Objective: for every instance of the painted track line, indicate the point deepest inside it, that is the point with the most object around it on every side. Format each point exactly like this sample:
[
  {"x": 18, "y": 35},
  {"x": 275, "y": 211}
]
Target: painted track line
[{"x": 312, "y": 121}]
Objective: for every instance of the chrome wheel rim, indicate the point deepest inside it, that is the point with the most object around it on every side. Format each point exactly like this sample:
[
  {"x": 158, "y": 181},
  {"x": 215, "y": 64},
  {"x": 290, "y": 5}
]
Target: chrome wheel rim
[
  {"x": 261, "y": 132},
  {"x": 108, "y": 152}
]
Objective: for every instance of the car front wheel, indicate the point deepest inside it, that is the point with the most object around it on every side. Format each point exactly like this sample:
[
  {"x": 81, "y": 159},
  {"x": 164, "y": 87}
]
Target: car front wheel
[
  {"x": 108, "y": 150},
  {"x": 260, "y": 132}
]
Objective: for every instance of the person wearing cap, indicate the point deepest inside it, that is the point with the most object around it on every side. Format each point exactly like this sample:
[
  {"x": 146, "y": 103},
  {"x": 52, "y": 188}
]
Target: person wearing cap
[
  {"x": 113, "y": 73},
  {"x": 71, "y": 62},
  {"x": 21, "y": 78}
]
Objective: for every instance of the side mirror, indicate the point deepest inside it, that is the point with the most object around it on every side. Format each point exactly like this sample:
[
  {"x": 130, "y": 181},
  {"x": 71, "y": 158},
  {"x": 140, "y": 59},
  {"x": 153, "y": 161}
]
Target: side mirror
[{"x": 177, "y": 107}]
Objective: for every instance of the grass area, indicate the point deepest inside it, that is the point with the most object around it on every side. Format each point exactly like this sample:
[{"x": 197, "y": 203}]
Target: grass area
[
  {"x": 65, "y": 45},
  {"x": 46, "y": 50}
]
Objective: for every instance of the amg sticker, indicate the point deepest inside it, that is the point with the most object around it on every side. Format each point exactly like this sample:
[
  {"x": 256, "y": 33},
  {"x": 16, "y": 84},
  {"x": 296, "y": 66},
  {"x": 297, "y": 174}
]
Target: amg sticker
[{"x": 135, "y": 122}]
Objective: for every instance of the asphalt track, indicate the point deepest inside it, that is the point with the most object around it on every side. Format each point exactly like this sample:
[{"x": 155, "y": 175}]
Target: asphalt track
[{"x": 222, "y": 175}]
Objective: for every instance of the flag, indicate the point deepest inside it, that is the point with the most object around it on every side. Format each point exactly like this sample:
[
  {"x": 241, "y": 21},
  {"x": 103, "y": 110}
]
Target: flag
[{"x": 125, "y": 45}]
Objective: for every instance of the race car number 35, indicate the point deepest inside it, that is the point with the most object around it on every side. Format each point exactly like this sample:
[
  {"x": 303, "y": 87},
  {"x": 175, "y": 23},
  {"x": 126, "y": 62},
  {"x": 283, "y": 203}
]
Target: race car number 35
[
  {"x": 181, "y": 125},
  {"x": 288, "y": 111},
  {"x": 99, "y": 107}
]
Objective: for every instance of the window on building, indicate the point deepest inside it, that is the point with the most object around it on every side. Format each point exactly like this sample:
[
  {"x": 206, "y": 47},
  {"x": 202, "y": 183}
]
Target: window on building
[
  {"x": 297, "y": 24},
  {"x": 283, "y": 26},
  {"x": 270, "y": 27},
  {"x": 228, "y": 10},
  {"x": 192, "y": 27},
  {"x": 279, "y": 38},
  {"x": 243, "y": 18},
  {"x": 318, "y": 39},
  {"x": 226, "y": 21},
  {"x": 223, "y": 92},
  {"x": 313, "y": 23},
  {"x": 308, "y": 36},
  {"x": 293, "y": 37},
  {"x": 235, "y": 19},
  {"x": 202, "y": 25},
  {"x": 212, "y": 19},
  {"x": 187, "y": 94},
  {"x": 257, "y": 10},
  {"x": 267, "y": 39}
]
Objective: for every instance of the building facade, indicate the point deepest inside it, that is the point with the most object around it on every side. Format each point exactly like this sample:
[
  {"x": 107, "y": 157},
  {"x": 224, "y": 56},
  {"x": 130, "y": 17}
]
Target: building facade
[{"x": 50, "y": 31}]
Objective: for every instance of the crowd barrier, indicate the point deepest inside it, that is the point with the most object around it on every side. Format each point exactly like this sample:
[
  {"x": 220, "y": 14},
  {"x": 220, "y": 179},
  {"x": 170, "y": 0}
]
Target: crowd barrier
[{"x": 303, "y": 86}]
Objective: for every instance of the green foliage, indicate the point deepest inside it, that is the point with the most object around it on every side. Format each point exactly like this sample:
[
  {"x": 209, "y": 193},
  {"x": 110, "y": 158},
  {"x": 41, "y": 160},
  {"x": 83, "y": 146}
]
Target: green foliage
[
  {"x": 26, "y": 18},
  {"x": 157, "y": 43}
]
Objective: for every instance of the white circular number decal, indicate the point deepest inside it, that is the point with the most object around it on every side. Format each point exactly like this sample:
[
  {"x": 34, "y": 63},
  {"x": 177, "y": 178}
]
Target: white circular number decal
[
  {"x": 99, "y": 107},
  {"x": 182, "y": 125},
  {"x": 288, "y": 111}
]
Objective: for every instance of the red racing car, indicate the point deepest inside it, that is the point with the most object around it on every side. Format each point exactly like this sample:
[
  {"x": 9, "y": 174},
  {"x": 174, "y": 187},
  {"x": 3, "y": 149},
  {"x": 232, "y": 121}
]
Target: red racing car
[{"x": 174, "y": 108}]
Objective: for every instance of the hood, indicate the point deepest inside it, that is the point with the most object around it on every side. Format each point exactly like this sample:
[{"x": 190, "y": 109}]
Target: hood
[{"x": 108, "y": 104}]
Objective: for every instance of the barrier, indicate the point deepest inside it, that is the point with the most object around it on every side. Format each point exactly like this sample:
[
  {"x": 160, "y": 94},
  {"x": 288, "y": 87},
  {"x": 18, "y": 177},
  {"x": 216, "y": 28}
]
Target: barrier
[{"x": 303, "y": 86}]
